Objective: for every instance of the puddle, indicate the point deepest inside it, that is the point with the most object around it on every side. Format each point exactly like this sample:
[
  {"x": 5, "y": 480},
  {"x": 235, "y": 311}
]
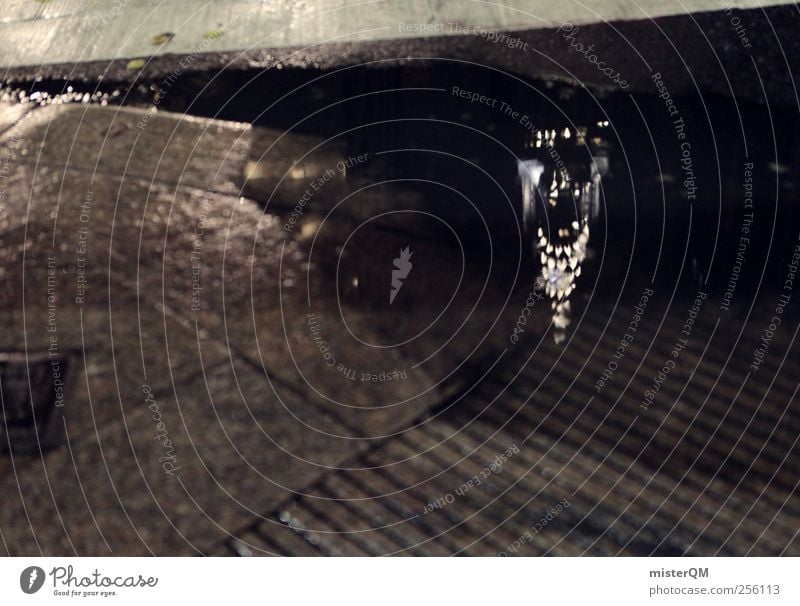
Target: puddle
[{"x": 574, "y": 192}]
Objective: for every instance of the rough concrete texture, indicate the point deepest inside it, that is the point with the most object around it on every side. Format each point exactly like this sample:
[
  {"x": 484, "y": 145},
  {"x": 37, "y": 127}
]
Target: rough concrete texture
[
  {"x": 63, "y": 32},
  {"x": 747, "y": 52},
  {"x": 161, "y": 280},
  {"x": 662, "y": 484}
]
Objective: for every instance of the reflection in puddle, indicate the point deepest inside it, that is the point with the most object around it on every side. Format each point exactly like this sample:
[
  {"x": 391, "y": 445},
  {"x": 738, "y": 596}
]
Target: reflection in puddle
[{"x": 560, "y": 195}]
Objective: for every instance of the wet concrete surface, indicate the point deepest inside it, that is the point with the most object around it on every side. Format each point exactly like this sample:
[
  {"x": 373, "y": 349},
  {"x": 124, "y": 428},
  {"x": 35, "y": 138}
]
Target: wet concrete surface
[
  {"x": 199, "y": 396},
  {"x": 541, "y": 463},
  {"x": 309, "y": 412}
]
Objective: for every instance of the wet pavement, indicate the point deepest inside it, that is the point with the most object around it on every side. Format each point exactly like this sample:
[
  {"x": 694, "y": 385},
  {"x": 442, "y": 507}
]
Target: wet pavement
[
  {"x": 213, "y": 374},
  {"x": 399, "y": 325},
  {"x": 542, "y": 463}
]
